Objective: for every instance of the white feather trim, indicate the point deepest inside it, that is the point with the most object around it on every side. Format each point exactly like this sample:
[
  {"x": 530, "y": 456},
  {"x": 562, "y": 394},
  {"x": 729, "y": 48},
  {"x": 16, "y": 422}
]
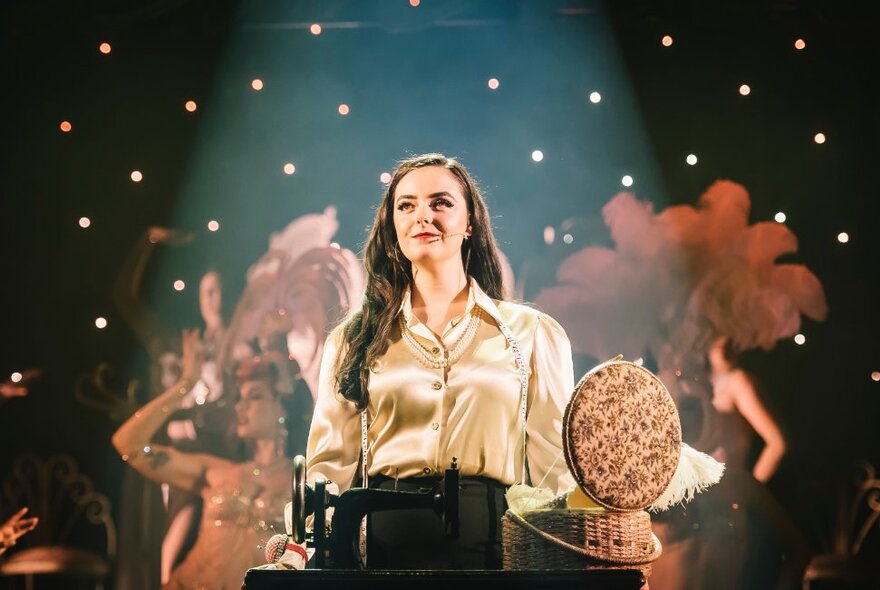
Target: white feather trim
[{"x": 696, "y": 471}]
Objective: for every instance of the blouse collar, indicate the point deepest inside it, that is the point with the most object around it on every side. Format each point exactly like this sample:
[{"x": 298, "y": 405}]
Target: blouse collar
[{"x": 476, "y": 296}]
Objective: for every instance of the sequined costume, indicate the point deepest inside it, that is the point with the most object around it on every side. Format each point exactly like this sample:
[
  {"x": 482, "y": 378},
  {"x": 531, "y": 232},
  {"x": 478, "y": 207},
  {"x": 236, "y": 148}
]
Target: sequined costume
[{"x": 233, "y": 530}]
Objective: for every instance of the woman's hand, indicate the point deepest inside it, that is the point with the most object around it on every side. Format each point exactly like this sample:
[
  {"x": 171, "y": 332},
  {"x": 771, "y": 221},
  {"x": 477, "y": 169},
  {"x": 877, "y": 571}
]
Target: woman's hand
[
  {"x": 164, "y": 235},
  {"x": 165, "y": 464},
  {"x": 15, "y": 527},
  {"x": 19, "y": 388},
  {"x": 193, "y": 354}
]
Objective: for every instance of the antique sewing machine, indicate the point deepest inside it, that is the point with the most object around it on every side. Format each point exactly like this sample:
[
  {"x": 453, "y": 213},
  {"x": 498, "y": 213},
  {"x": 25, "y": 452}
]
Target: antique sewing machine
[
  {"x": 340, "y": 550},
  {"x": 337, "y": 556}
]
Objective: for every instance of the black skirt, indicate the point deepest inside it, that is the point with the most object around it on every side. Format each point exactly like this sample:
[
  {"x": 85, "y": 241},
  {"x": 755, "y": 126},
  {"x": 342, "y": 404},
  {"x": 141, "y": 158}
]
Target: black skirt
[{"x": 417, "y": 539}]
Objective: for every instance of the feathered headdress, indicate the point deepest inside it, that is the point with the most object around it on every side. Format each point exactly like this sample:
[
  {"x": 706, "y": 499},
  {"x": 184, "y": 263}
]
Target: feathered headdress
[{"x": 678, "y": 278}]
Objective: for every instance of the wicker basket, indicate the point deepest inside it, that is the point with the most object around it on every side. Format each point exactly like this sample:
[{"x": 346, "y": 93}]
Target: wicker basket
[{"x": 578, "y": 539}]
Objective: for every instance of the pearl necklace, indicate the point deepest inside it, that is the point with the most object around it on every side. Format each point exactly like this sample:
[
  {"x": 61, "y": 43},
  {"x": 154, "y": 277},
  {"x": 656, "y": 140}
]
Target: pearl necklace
[{"x": 433, "y": 360}]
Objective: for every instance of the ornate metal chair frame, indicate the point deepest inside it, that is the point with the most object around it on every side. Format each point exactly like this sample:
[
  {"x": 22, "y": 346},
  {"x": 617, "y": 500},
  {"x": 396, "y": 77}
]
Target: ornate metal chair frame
[
  {"x": 65, "y": 500},
  {"x": 857, "y": 514}
]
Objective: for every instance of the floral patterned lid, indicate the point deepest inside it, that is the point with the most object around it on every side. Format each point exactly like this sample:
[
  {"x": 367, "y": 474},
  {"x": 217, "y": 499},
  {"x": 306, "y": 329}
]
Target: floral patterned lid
[{"x": 621, "y": 435}]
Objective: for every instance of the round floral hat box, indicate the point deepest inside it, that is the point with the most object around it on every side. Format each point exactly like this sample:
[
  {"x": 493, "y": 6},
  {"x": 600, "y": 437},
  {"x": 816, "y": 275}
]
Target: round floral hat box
[{"x": 621, "y": 435}]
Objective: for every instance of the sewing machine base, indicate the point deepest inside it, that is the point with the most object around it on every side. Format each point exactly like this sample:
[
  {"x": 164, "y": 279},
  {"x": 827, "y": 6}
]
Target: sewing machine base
[{"x": 445, "y": 579}]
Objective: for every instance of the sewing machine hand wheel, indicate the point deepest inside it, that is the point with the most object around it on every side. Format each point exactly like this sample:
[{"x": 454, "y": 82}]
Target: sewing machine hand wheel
[{"x": 298, "y": 517}]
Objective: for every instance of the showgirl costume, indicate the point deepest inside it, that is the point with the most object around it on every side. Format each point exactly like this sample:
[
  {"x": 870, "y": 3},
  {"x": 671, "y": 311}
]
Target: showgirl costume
[{"x": 235, "y": 525}]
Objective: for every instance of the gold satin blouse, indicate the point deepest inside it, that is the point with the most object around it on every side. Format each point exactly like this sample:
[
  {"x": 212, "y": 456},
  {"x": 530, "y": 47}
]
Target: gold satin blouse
[{"x": 420, "y": 418}]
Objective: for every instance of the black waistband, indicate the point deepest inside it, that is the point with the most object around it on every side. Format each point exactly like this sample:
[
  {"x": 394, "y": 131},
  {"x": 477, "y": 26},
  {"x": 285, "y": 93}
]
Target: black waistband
[{"x": 410, "y": 483}]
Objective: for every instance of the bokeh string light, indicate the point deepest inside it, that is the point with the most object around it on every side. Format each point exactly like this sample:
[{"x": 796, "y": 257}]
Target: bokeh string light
[{"x": 493, "y": 83}]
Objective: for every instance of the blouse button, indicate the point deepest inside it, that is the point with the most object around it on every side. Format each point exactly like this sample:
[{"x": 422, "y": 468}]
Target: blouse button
[
  {"x": 434, "y": 426},
  {"x": 426, "y": 470},
  {"x": 435, "y": 350},
  {"x": 436, "y": 385}
]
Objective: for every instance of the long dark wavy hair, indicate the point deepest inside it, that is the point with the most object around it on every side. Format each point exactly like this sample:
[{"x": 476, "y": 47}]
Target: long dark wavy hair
[{"x": 367, "y": 333}]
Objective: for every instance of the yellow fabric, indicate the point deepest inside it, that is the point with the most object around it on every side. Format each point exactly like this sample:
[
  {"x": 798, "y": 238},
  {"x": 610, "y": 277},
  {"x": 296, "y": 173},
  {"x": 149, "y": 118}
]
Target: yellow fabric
[
  {"x": 420, "y": 418},
  {"x": 578, "y": 499}
]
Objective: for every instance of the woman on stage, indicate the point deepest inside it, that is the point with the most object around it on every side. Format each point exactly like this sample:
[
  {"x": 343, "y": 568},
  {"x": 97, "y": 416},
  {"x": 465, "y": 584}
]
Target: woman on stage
[
  {"x": 437, "y": 367},
  {"x": 243, "y": 501}
]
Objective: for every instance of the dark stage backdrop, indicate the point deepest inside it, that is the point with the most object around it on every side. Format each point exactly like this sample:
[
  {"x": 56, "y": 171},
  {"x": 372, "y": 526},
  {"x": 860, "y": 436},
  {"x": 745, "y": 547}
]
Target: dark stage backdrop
[{"x": 416, "y": 78}]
